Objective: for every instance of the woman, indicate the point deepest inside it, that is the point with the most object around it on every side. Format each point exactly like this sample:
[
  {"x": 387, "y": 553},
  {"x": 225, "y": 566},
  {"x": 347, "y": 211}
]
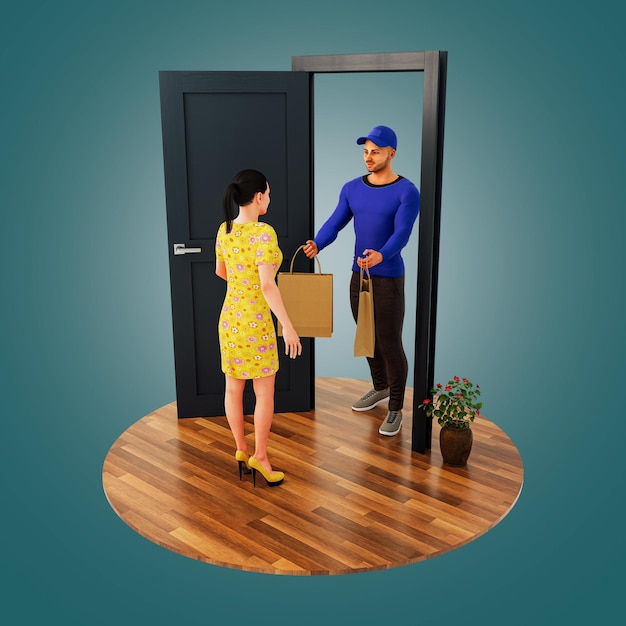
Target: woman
[{"x": 247, "y": 258}]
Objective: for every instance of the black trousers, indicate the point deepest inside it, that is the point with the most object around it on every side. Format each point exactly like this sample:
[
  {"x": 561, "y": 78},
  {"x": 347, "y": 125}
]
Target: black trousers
[{"x": 389, "y": 366}]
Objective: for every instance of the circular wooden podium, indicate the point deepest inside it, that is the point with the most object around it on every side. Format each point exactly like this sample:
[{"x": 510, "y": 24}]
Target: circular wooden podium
[{"x": 352, "y": 500}]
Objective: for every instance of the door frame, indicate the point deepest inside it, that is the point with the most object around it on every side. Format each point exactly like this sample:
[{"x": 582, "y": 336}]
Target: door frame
[{"x": 434, "y": 65}]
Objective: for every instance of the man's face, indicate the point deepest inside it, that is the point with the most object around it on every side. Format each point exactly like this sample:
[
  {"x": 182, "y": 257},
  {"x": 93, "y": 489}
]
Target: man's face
[{"x": 376, "y": 159}]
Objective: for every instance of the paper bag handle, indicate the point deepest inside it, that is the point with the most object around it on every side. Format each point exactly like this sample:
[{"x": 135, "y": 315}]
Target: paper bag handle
[
  {"x": 293, "y": 258},
  {"x": 367, "y": 269}
]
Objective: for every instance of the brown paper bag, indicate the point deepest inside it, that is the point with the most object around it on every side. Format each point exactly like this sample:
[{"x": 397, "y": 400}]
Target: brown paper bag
[
  {"x": 365, "y": 337},
  {"x": 308, "y": 298}
]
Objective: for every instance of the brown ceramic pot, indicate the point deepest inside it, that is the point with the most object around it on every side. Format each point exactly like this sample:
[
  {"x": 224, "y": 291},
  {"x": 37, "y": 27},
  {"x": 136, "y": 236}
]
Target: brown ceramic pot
[{"x": 455, "y": 445}]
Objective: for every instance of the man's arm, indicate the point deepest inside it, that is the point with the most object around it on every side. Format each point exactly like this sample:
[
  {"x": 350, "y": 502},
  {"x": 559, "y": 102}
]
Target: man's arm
[
  {"x": 403, "y": 223},
  {"x": 340, "y": 217}
]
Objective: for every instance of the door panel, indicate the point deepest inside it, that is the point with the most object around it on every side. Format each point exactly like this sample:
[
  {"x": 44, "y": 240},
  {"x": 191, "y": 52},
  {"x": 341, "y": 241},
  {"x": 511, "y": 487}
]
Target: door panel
[{"x": 214, "y": 124}]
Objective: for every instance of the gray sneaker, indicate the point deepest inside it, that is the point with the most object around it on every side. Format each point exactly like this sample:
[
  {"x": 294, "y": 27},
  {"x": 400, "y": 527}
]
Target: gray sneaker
[
  {"x": 392, "y": 423},
  {"x": 370, "y": 400}
]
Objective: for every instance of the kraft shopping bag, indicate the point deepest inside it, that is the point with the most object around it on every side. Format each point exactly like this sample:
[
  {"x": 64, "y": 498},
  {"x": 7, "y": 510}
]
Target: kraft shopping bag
[
  {"x": 308, "y": 298},
  {"x": 365, "y": 336}
]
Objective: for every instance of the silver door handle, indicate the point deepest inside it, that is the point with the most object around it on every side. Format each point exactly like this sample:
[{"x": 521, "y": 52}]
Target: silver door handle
[{"x": 179, "y": 248}]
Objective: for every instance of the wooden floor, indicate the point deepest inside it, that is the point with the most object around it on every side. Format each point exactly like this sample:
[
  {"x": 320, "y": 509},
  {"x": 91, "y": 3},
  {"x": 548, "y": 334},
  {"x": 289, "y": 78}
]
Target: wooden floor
[{"x": 352, "y": 500}]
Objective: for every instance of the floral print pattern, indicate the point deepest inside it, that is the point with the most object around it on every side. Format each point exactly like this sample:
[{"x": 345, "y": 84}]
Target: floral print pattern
[{"x": 246, "y": 328}]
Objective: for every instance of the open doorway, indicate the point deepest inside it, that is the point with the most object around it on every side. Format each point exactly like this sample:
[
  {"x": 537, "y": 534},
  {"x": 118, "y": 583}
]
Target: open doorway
[
  {"x": 433, "y": 64},
  {"x": 347, "y": 106}
]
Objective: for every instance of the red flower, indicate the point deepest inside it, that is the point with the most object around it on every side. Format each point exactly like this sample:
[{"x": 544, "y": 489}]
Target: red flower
[
  {"x": 459, "y": 395},
  {"x": 465, "y": 380},
  {"x": 427, "y": 401},
  {"x": 456, "y": 379},
  {"x": 439, "y": 385},
  {"x": 448, "y": 387}
]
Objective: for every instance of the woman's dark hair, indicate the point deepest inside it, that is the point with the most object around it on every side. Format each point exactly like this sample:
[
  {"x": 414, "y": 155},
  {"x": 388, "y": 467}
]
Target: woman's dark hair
[{"x": 240, "y": 192}]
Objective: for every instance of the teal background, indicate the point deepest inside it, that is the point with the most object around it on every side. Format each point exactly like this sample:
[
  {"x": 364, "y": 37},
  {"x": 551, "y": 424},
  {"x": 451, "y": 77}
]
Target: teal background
[{"x": 530, "y": 298}]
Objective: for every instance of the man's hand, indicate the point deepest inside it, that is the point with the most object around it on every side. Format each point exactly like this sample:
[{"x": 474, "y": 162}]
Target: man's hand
[
  {"x": 310, "y": 248},
  {"x": 370, "y": 258}
]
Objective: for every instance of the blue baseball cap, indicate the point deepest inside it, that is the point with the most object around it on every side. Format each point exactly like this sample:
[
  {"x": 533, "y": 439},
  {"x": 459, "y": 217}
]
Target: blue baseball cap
[{"x": 382, "y": 136}]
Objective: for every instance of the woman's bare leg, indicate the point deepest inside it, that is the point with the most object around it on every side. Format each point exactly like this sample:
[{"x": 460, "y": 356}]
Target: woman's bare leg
[
  {"x": 263, "y": 416},
  {"x": 233, "y": 404}
]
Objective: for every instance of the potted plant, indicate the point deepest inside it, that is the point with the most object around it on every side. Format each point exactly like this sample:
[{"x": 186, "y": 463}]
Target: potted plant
[{"x": 455, "y": 406}]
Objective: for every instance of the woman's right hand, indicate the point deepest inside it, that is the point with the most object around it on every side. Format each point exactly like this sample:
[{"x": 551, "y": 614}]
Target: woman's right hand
[{"x": 310, "y": 248}]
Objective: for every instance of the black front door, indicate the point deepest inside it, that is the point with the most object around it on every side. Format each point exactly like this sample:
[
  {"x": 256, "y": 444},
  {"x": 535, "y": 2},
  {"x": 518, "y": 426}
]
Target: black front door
[{"x": 214, "y": 124}]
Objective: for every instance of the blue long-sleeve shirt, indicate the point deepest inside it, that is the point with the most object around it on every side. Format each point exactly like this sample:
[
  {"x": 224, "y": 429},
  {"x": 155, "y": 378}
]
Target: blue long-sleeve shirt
[{"x": 384, "y": 216}]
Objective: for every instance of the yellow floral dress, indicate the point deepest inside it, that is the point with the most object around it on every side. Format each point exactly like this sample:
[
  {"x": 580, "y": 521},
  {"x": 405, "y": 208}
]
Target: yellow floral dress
[{"x": 246, "y": 328}]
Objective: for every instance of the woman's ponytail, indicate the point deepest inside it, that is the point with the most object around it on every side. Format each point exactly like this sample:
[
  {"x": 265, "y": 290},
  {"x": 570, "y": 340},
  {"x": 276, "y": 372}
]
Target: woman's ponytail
[
  {"x": 228, "y": 206},
  {"x": 240, "y": 192}
]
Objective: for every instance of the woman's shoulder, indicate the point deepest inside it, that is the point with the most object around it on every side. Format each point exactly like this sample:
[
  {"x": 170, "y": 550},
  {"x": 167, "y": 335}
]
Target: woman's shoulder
[{"x": 263, "y": 228}]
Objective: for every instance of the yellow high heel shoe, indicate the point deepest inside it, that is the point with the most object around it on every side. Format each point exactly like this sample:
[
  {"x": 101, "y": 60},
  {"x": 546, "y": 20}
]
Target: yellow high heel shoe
[
  {"x": 242, "y": 459},
  {"x": 272, "y": 479}
]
